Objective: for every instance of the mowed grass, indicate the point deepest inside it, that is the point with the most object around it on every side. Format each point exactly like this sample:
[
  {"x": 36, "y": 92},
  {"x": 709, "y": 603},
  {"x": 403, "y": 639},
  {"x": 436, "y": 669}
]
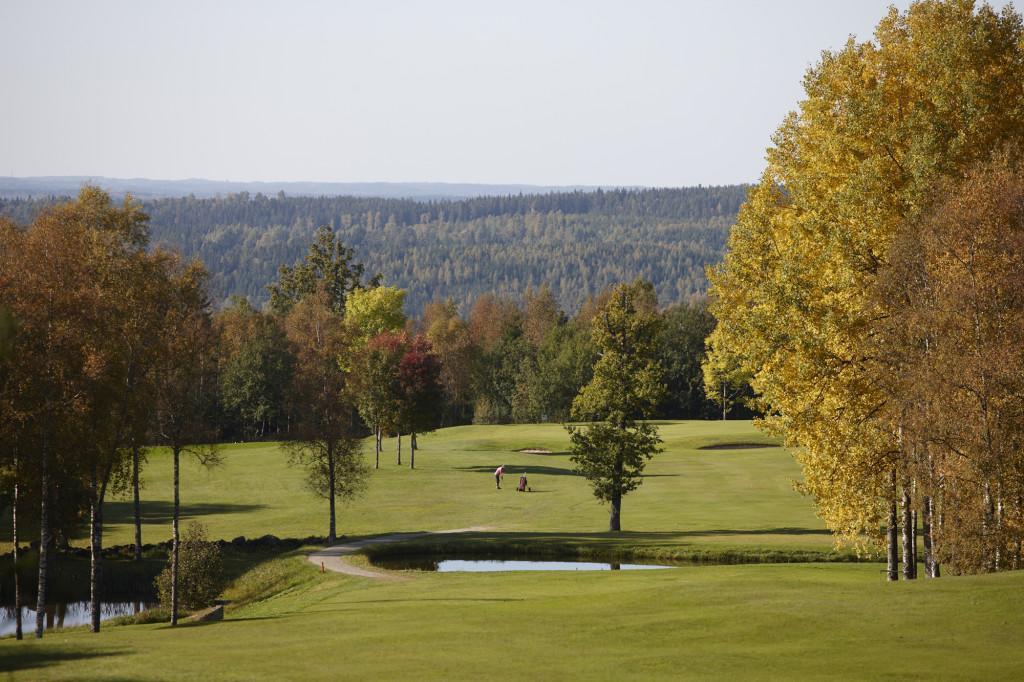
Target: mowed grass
[
  {"x": 783, "y": 621},
  {"x": 789, "y": 621},
  {"x": 690, "y": 498}
]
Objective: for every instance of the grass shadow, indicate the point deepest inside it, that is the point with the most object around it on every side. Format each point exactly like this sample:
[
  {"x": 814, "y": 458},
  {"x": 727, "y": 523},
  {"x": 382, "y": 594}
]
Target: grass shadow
[
  {"x": 161, "y": 511},
  {"x": 529, "y": 470},
  {"x": 680, "y": 546},
  {"x": 20, "y": 658}
]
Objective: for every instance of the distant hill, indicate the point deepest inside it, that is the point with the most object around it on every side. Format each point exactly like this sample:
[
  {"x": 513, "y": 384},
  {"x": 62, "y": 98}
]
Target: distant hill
[
  {"x": 576, "y": 242},
  {"x": 144, "y": 188}
]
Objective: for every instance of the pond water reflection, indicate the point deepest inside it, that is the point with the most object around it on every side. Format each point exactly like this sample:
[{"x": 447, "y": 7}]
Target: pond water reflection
[
  {"x": 491, "y": 565},
  {"x": 65, "y": 614}
]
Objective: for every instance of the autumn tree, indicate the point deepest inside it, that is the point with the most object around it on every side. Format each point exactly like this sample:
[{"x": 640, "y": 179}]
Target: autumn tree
[
  {"x": 940, "y": 87},
  {"x": 9, "y": 454},
  {"x": 324, "y": 439},
  {"x": 452, "y": 341},
  {"x": 420, "y": 392},
  {"x": 374, "y": 310},
  {"x": 121, "y": 338},
  {"x": 541, "y": 314},
  {"x": 374, "y": 318},
  {"x": 496, "y": 326},
  {"x": 613, "y": 449},
  {"x": 185, "y": 387},
  {"x": 48, "y": 285},
  {"x": 950, "y": 311},
  {"x": 374, "y": 385}
]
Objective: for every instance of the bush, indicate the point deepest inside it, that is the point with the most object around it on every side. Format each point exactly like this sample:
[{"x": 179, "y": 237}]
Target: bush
[{"x": 199, "y": 571}]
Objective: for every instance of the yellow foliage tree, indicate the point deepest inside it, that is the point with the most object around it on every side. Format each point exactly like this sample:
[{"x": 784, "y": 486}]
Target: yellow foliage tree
[{"x": 940, "y": 87}]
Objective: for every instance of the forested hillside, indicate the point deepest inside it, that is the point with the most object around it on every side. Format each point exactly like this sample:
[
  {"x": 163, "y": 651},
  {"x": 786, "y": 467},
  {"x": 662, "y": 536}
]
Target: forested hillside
[{"x": 578, "y": 243}]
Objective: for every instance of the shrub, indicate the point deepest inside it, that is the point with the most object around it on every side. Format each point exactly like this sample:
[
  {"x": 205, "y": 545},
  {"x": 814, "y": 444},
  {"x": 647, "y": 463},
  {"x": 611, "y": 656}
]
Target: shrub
[{"x": 199, "y": 571}]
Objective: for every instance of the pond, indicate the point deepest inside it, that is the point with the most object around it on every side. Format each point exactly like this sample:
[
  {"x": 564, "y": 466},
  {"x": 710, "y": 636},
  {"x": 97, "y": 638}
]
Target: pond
[
  {"x": 65, "y": 614},
  {"x": 490, "y": 565}
]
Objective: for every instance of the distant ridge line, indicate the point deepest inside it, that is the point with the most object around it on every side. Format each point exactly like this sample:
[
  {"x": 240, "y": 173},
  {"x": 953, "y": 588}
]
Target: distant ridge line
[{"x": 146, "y": 188}]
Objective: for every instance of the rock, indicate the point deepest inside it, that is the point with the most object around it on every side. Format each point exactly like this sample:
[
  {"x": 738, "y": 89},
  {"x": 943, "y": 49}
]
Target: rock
[{"x": 239, "y": 541}]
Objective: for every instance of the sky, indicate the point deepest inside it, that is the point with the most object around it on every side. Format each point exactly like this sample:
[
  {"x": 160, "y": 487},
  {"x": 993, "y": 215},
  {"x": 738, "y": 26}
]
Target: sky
[{"x": 644, "y": 92}]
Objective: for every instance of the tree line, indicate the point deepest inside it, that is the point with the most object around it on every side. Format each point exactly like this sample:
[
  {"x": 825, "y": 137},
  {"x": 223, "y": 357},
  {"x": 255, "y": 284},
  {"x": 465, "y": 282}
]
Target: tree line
[
  {"x": 578, "y": 243},
  {"x": 872, "y": 291}
]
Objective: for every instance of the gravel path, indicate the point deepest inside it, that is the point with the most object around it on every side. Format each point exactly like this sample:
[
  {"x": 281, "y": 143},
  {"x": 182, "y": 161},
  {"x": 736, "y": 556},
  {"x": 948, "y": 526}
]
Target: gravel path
[{"x": 333, "y": 558}]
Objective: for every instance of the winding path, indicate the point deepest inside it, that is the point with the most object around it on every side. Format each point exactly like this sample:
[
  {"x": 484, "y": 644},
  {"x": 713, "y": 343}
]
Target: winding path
[{"x": 333, "y": 558}]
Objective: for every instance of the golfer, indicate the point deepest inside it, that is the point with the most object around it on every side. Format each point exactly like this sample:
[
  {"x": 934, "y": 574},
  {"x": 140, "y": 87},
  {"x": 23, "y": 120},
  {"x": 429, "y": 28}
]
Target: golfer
[{"x": 498, "y": 473}]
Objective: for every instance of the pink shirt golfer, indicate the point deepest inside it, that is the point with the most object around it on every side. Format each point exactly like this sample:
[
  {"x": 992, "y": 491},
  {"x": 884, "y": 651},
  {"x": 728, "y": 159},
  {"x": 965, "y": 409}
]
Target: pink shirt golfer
[{"x": 498, "y": 473}]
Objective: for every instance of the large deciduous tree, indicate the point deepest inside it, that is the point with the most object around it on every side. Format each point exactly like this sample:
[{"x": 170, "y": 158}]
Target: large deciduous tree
[
  {"x": 420, "y": 391},
  {"x": 452, "y": 341},
  {"x": 940, "y": 87},
  {"x": 950, "y": 305},
  {"x": 185, "y": 387},
  {"x": 611, "y": 452},
  {"x": 375, "y": 385},
  {"x": 325, "y": 436}
]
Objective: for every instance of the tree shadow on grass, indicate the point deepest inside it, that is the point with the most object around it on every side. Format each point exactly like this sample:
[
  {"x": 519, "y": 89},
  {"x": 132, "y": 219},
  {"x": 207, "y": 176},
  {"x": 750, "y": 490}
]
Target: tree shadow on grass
[
  {"x": 691, "y": 546},
  {"x": 255, "y": 618},
  {"x": 161, "y": 511},
  {"x": 517, "y": 469},
  {"x": 634, "y": 536},
  {"x": 18, "y": 657}
]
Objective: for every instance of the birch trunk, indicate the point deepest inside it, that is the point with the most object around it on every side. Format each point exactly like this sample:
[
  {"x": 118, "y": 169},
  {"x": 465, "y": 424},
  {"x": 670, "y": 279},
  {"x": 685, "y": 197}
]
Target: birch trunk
[
  {"x": 44, "y": 536},
  {"x": 331, "y": 535},
  {"x": 412, "y": 450},
  {"x": 14, "y": 538},
  {"x": 137, "y": 506},
  {"x": 999, "y": 534},
  {"x": 174, "y": 541},
  {"x": 908, "y": 535},
  {"x": 914, "y": 554},
  {"x": 892, "y": 557},
  {"x": 399, "y": 449},
  {"x": 926, "y": 535},
  {"x": 95, "y": 550},
  {"x": 376, "y": 443},
  {"x": 987, "y": 523}
]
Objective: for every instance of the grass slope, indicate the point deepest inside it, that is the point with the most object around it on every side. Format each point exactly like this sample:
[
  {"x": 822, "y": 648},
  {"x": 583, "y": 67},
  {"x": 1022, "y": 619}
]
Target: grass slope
[{"x": 753, "y": 621}]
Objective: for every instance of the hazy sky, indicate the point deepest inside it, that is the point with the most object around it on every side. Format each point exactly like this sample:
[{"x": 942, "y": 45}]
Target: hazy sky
[{"x": 619, "y": 93}]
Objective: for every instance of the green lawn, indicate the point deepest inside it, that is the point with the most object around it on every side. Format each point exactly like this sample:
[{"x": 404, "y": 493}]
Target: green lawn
[
  {"x": 691, "y": 498},
  {"x": 752, "y": 621},
  {"x": 781, "y": 621}
]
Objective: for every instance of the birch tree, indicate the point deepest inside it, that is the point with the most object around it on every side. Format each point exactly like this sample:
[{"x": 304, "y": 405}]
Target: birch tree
[
  {"x": 939, "y": 87},
  {"x": 325, "y": 439}
]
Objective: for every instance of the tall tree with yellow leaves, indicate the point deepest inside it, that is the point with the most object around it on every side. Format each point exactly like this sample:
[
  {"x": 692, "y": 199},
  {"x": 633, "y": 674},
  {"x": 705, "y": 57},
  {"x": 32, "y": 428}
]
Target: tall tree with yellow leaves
[{"x": 940, "y": 87}]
